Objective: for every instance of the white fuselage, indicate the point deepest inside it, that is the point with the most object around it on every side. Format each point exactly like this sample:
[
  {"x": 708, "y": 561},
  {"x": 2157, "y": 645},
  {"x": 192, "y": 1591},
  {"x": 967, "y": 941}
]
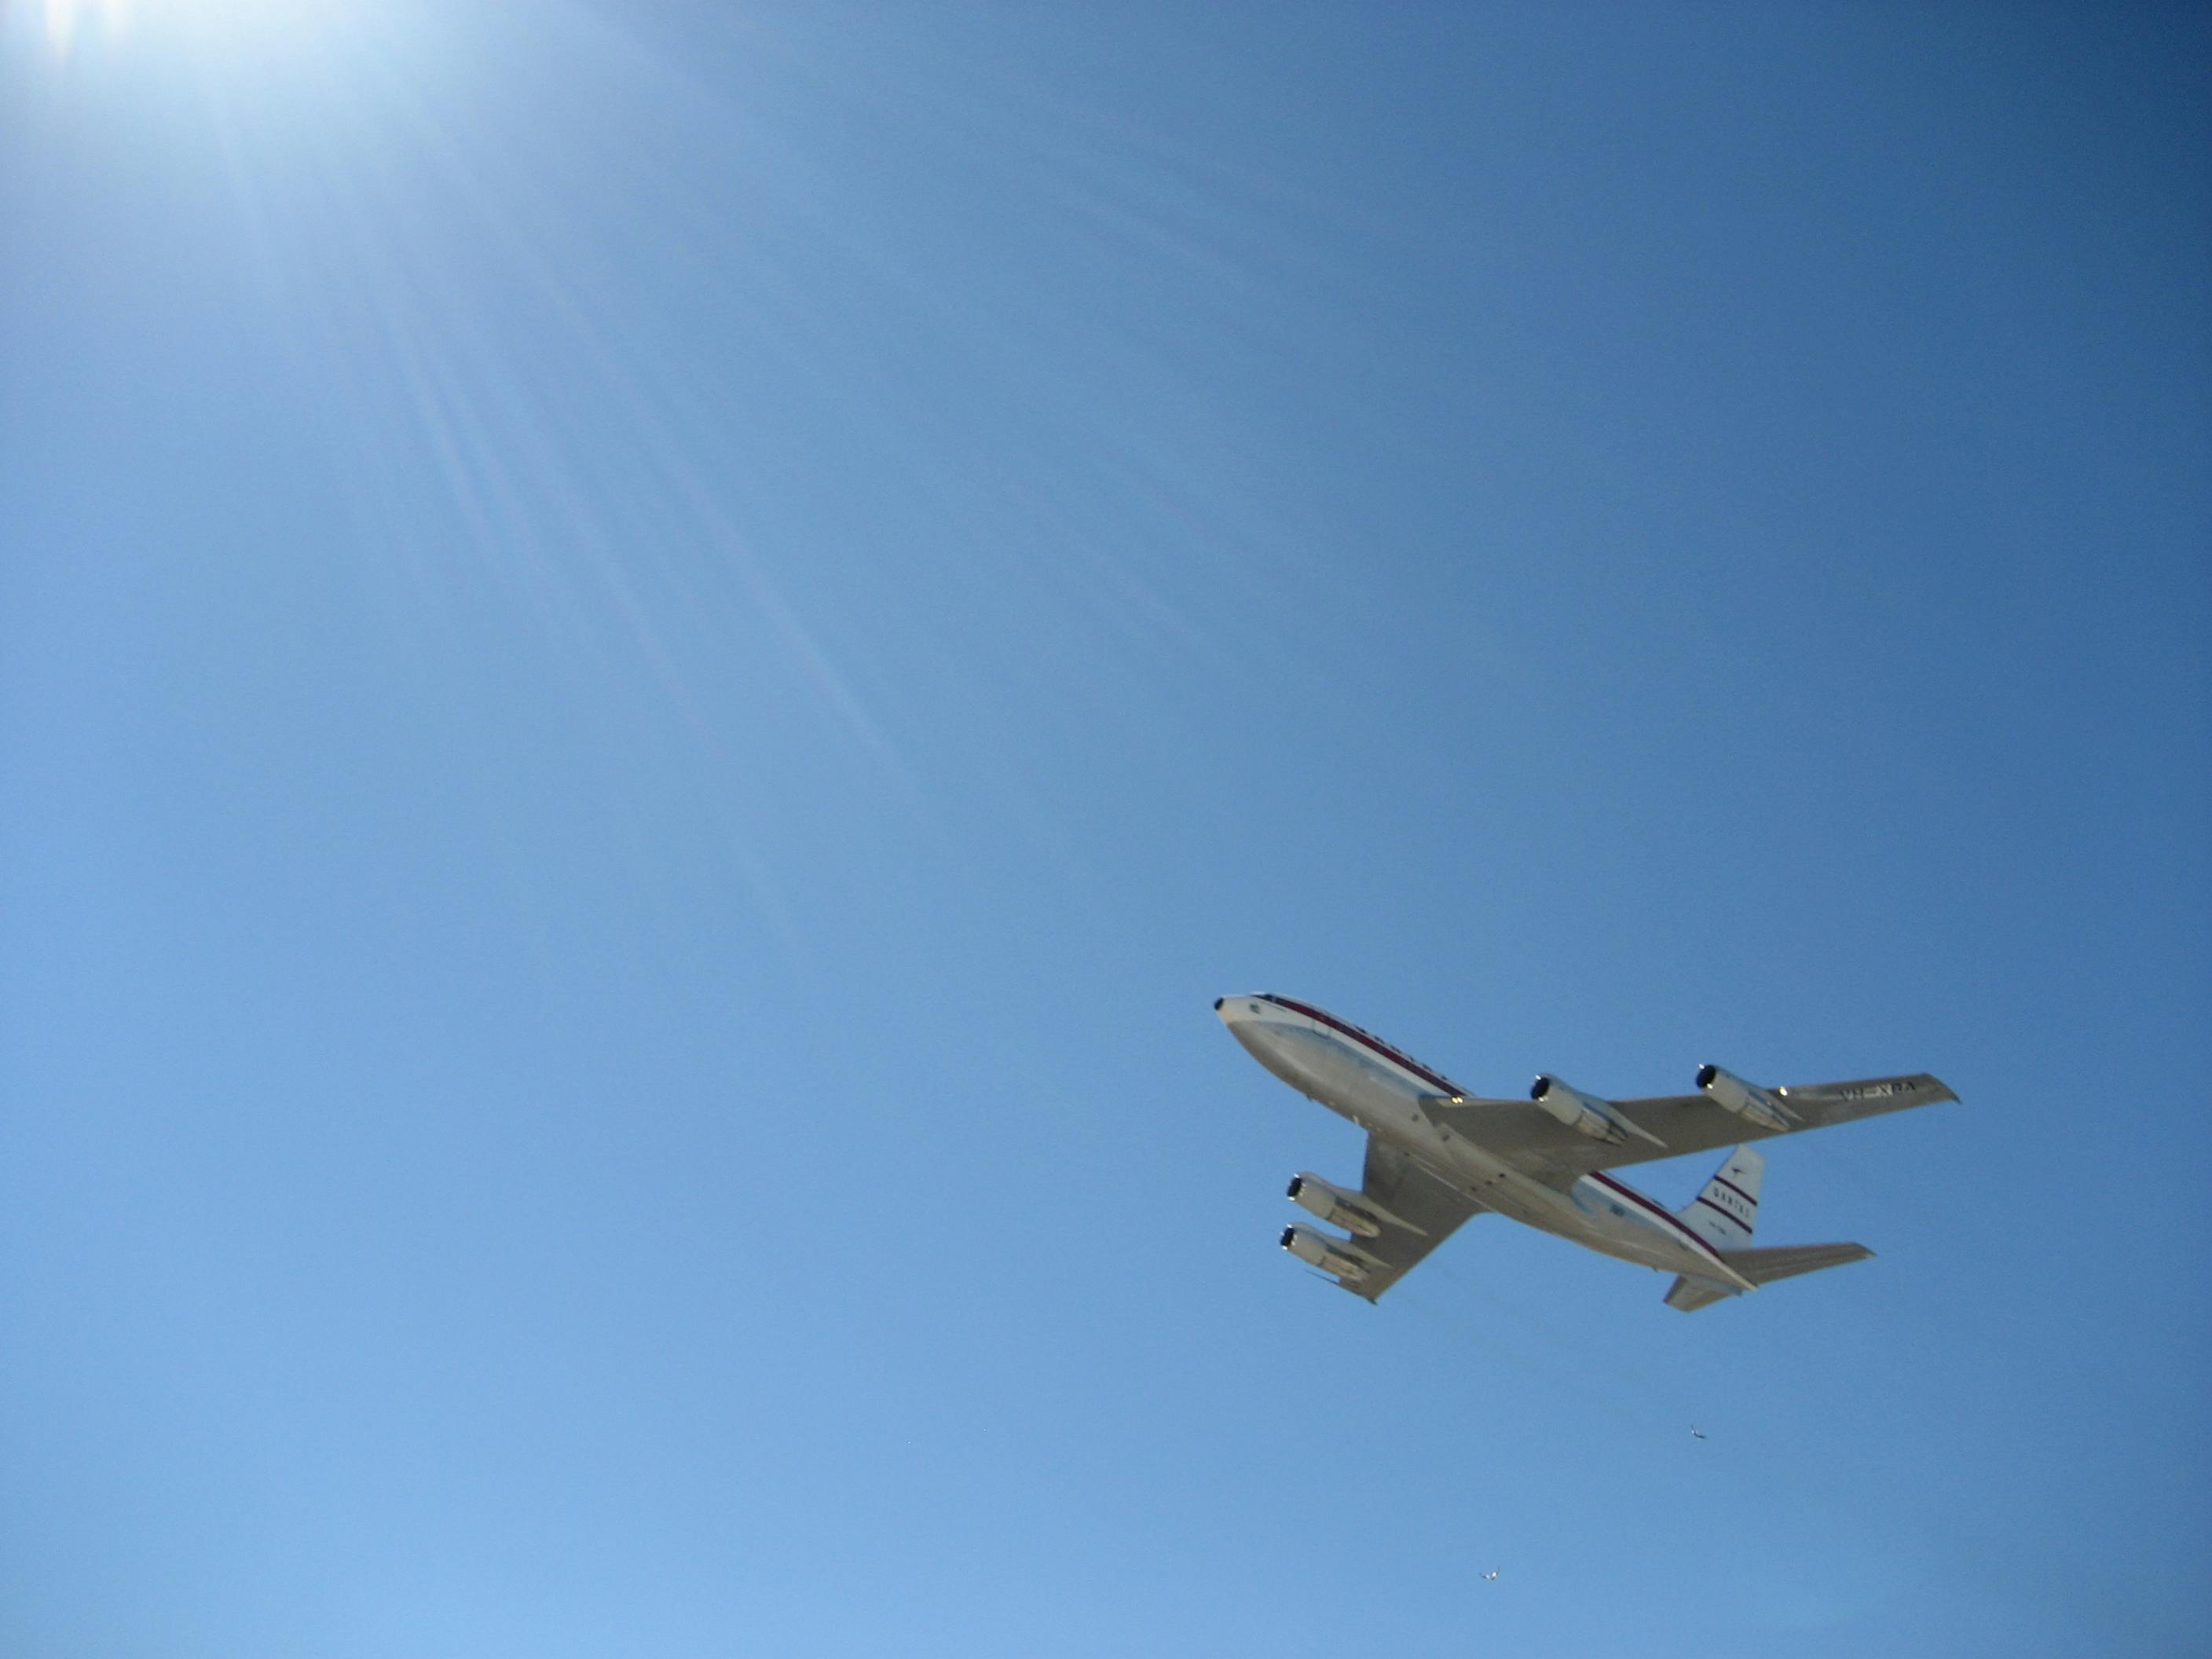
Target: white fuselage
[{"x": 1362, "y": 1077}]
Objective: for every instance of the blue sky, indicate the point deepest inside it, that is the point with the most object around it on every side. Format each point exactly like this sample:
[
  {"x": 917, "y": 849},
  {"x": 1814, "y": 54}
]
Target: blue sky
[{"x": 654, "y": 659}]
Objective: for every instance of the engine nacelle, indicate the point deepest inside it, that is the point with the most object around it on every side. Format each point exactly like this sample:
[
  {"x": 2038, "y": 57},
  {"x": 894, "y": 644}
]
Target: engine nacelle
[
  {"x": 1334, "y": 1206},
  {"x": 1586, "y": 1113},
  {"x": 1747, "y": 1100},
  {"x": 1331, "y": 1256}
]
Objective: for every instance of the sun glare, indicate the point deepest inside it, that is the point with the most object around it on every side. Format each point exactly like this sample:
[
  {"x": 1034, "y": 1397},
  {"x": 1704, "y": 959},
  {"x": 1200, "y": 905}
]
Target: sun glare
[
  {"x": 64, "y": 19},
  {"x": 68, "y": 25}
]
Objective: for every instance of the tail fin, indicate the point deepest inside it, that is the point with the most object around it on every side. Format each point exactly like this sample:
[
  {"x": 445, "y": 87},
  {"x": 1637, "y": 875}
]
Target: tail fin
[
  {"x": 1726, "y": 1211},
  {"x": 1762, "y": 1268}
]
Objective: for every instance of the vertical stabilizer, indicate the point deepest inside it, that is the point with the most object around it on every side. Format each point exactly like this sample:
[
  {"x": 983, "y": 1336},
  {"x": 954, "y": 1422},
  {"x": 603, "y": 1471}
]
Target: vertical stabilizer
[{"x": 1724, "y": 1214}]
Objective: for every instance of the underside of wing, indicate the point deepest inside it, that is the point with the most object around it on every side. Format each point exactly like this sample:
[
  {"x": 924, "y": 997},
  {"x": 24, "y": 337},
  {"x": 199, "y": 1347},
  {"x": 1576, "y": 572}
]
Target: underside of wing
[
  {"x": 1531, "y": 1138},
  {"x": 1410, "y": 1211},
  {"x": 1410, "y": 1192}
]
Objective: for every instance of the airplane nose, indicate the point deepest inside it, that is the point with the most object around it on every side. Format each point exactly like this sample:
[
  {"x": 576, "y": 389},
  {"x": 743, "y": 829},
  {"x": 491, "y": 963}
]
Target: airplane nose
[{"x": 1217, "y": 1001}]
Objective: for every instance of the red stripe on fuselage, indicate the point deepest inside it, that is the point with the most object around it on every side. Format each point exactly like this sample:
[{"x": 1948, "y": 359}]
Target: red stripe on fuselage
[
  {"x": 1442, "y": 1085},
  {"x": 1643, "y": 1203}
]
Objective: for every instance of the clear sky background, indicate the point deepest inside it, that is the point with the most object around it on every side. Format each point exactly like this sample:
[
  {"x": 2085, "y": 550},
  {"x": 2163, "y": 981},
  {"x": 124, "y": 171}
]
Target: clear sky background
[{"x": 656, "y": 657}]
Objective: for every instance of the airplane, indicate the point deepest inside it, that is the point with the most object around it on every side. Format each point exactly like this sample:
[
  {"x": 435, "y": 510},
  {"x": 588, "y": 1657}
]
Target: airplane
[{"x": 1437, "y": 1154}]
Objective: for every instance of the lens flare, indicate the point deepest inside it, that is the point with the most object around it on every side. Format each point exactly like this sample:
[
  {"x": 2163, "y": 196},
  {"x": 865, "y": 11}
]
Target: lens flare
[
  {"x": 65, "y": 25},
  {"x": 61, "y": 21}
]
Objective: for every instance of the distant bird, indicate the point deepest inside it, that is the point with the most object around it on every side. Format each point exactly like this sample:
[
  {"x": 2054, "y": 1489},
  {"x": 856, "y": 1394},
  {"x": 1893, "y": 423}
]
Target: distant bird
[
  {"x": 1696, "y": 1433},
  {"x": 1490, "y": 1577}
]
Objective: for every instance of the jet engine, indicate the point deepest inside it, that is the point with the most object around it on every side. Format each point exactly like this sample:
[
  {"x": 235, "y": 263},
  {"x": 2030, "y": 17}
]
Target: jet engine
[
  {"x": 1331, "y": 1256},
  {"x": 1585, "y": 1114},
  {"x": 1747, "y": 1100},
  {"x": 1334, "y": 1206}
]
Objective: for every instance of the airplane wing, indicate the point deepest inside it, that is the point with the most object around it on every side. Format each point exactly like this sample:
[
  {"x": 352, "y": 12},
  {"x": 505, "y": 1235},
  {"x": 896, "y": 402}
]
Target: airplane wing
[
  {"x": 1530, "y": 1139},
  {"x": 1411, "y": 1194}
]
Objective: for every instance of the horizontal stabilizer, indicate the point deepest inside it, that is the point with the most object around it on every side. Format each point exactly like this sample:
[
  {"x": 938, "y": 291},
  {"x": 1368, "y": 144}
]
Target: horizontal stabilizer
[
  {"x": 1691, "y": 1294},
  {"x": 1762, "y": 1268},
  {"x": 1788, "y": 1260}
]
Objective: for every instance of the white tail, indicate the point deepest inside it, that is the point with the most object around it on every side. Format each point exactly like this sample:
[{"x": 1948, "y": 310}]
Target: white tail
[{"x": 1724, "y": 1214}]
